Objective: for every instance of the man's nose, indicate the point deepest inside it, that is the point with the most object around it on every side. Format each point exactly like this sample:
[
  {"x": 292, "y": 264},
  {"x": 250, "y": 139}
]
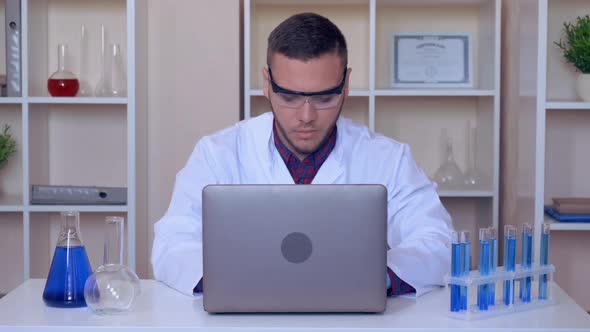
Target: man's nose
[{"x": 308, "y": 113}]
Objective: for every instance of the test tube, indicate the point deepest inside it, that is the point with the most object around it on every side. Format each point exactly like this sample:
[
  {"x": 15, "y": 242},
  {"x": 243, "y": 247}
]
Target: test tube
[
  {"x": 484, "y": 268},
  {"x": 493, "y": 240},
  {"x": 509, "y": 261},
  {"x": 456, "y": 270},
  {"x": 466, "y": 265},
  {"x": 544, "y": 260},
  {"x": 526, "y": 258}
]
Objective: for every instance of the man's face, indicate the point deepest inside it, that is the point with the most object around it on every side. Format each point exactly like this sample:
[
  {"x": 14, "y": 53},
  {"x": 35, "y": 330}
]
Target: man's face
[{"x": 305, "y": 128}]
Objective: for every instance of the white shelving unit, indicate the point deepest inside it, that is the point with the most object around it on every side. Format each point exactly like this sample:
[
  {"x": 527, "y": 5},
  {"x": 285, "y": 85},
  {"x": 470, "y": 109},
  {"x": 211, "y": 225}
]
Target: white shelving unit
[
  {"x": 547, "y": 140},
  {"x": 413, "y": 116},
  {"x": 66, "y": 141}
]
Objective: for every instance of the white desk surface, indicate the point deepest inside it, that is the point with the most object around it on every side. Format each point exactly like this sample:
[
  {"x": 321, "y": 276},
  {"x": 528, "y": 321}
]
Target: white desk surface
[{"x": 162, "y": 309}]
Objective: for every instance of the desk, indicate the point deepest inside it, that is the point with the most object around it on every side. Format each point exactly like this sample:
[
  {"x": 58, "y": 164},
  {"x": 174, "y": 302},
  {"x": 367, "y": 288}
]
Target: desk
[{"x": 163, "y": 309}]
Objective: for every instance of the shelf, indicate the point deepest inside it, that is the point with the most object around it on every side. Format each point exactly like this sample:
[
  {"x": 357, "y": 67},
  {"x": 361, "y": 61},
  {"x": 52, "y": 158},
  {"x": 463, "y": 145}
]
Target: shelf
[
  {"x": 77, "y": 100},
  {"x": 436, "y": 92},
  {"x": 465, "y": 193},
  {"x": 566, "y": 154},
  {"x": 480, "y": 19},
  {"x": 11, "y": 208},
  {"x": 567, "y": 226},
  {"x": 11, "y": 203},
  {"x": 79, "y": 208},
  {"x": 567, "y": 105},
  {"x": 419, "y": 122},
  {"x": 11, "y": 100}
]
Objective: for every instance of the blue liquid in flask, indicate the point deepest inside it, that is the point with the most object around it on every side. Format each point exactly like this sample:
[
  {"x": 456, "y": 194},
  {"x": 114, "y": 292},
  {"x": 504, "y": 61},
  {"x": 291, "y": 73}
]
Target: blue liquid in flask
[
  {"x": 67, "y": 275},
  {"x": 69, "y": 268}
]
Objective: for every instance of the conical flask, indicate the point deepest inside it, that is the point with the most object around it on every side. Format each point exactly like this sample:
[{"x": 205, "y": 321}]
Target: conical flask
[
  {"x": 449, "y": 174},
  {"x": 69, "y": 268},
  {"x": 113, "y": 288}
]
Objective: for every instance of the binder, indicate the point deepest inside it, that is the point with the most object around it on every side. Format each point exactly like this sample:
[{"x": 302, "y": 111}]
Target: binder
[
  {"x": 77, "y": 195},
  {"x": 12, "y": 21}
]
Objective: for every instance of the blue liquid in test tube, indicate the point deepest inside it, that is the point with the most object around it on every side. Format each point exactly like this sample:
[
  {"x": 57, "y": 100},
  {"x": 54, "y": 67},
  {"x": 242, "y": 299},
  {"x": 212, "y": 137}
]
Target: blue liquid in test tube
[
  {"x": 544, "y": 260},
  {"x": 456, "y": 270},
  {"x": 466, "y": 252},
  {"x": 526, "y": 258},
  {"x": 509, "y": 261},
  {"x": 484, "y": 268},
  {"x": 493, "y": 240}
]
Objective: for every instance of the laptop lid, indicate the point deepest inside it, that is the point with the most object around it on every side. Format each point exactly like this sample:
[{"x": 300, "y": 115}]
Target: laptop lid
[{"x": 294, "y": 248}]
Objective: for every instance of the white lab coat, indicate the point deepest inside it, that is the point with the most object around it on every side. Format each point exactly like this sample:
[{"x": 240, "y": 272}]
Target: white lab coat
[{"x": 418, "y": 225}]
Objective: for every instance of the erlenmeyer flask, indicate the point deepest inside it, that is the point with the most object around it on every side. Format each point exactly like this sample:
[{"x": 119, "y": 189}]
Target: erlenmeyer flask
[
  {"x": 449, "y": 174},
  {"x": 70, "y": 266},
  {"x": 114, "y": 80},
  {"x": 113, "y": 288},
  {"x": 62, "y": 83}
]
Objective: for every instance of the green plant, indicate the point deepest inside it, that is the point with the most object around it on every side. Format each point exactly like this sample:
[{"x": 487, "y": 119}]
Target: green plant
[
  {"x": 7, "y": 145},
  {"x": 576, "y": 47}
]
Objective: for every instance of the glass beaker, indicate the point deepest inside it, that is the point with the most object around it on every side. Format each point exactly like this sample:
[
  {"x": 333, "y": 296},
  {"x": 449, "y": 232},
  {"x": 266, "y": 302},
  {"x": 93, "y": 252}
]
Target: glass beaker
[
  {"x": 113, "y": 288},
  {"x": 69, "y": 268},
  {"x": 62, "y": 83},
  {"x": 113, "y": 82},
  {"x": 449, "y": 174}
]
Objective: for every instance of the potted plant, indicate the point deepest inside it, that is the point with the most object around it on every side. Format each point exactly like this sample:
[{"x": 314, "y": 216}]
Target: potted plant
[
  {"x": 576, "y": 50},
  {"x": 7, "y": 145}
]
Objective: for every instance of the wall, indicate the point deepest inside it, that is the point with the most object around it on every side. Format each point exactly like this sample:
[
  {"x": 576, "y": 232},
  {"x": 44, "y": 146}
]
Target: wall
[{"x": 193, "y": 90}]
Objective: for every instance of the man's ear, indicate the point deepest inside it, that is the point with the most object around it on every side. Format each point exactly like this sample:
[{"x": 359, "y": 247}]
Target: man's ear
[
  {"x": 266, "y": 84},
  {"x": 347, "y": 83}
]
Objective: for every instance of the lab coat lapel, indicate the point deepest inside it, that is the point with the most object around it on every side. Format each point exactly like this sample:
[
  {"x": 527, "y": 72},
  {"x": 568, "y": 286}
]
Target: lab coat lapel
[
  {"x": 269, "y": 158},
  {"x": 332, "y": 168}
]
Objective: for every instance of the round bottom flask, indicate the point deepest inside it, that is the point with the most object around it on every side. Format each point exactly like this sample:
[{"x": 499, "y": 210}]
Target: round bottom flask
[{"x": 113, "y": 288}]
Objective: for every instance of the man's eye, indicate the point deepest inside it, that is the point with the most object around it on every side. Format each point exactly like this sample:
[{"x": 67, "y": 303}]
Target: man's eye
[
  {"x": 326, "y": 99},
  {"x": 287, "y": 97}
]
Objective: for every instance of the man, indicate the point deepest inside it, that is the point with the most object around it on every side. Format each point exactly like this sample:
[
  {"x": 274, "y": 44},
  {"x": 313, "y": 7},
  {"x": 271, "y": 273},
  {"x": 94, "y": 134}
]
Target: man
[{"x": 304, "y": 141}]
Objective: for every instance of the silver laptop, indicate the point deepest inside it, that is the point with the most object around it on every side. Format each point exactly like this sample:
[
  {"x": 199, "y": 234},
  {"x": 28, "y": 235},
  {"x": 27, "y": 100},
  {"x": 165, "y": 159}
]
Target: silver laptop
[{"x": 294, "y": 248}]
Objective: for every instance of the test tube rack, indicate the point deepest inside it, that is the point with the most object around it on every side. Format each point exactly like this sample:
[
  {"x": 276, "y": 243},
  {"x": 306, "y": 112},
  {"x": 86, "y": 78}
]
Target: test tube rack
[{"x": 474, "y": 279}]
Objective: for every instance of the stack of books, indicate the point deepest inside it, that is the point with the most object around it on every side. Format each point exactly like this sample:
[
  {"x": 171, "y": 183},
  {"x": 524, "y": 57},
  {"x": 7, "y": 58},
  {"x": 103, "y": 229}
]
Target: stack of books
[{"x": 572, "y": 209}]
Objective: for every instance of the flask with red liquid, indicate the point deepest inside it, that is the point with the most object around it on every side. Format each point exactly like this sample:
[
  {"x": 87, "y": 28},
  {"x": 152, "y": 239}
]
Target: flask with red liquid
[{"x": 62, "y": 83}]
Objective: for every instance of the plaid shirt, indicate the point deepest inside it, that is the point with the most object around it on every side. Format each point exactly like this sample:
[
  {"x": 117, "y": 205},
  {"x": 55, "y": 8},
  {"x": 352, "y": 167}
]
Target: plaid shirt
[{"x": 303, "y": 172}]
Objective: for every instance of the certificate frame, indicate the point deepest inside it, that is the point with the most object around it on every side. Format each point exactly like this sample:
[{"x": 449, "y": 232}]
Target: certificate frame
[{"x": 414, "y": 62}]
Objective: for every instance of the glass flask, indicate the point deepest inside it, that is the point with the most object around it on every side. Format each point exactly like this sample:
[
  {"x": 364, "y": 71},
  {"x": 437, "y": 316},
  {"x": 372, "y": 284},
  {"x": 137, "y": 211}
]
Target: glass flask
[
  {"x": 449, "y": 174},
  {"x": 113, "y": 288},
  {"x": 472, "y": 176},
  {"x": 113, "y": 82},
  {"x": 62, "y": 83},
  {"x": 85, "y": 90},
  {"x": 69, "y": 268}
]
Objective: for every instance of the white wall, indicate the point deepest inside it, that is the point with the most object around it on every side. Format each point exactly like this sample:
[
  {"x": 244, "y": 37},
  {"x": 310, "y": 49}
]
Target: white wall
[{"x": 193, "y": 90}]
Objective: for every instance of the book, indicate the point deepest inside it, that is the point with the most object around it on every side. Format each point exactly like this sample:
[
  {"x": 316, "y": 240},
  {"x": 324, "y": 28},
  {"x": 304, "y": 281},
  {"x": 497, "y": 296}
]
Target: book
[
  {"x": 576, "y": 205},
  {"x": 566, "y": 217}
]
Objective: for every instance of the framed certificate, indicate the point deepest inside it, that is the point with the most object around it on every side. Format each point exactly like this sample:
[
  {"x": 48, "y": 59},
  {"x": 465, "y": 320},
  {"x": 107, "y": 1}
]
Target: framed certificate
[{"x": 431, "y": 60}]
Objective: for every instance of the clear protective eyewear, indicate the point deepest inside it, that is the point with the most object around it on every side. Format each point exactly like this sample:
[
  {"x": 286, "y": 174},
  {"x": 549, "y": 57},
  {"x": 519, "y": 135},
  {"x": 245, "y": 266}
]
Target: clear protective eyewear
[{"x": 318, "y": 100}]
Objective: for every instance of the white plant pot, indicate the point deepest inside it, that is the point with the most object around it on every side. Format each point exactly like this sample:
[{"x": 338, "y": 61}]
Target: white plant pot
[{"x": 583, "y": 87}]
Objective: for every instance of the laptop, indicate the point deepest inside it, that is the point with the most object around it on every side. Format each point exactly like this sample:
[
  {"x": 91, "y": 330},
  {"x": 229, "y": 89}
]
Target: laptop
[{"x": 294, "y": 248}]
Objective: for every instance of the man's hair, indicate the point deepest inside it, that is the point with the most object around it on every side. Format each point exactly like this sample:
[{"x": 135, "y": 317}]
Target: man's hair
[{"x": 306, "y": 36}]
